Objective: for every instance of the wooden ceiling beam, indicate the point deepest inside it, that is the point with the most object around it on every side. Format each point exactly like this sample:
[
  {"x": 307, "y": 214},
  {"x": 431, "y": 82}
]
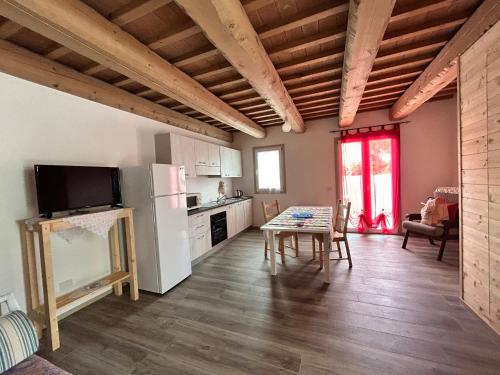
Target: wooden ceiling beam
[
  {"x": 422, "y": 47},
  {"x": 419, "y": 8},
  {"x": 252, "y": 6},
  {"x": 135, "y": 10},
  {"x": 306, "y": 17},
  {"x": 308, "y": 41},
  {"x": 367, "y": 23},
  {"x": 253, "y": 106},
  {"x": 403, "y": 35},
  {"x": 390, "y": 68},
  {"x": 443, "y": 68},
  {"x": 295, "y": 45},
  {"x": 313, "y": 85},
  {"x": 27, "y": 65},
  {"x": 323, "y": 56},
  {"x": 316, "y": 93},
  {"x": 8, "y": 29},
  {"x": 80, "y": 28},
  {"x": 131, "y": 12}
]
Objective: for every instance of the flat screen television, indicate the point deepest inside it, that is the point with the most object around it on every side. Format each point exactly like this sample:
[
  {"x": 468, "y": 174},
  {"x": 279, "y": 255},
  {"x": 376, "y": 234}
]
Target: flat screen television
[{"x": 65, "y": 187}]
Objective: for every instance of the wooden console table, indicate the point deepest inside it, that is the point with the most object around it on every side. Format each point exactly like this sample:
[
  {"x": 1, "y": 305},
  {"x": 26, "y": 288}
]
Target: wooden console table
[{"x": 47, "y": 313}]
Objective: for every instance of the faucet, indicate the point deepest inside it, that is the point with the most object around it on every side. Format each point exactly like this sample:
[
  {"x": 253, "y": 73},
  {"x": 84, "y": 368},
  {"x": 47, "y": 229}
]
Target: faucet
[{"x": 221, "y": 198}]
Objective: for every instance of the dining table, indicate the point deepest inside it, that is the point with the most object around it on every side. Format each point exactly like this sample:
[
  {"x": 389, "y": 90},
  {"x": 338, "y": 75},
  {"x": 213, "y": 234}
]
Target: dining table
[{"x": 301, "y": 219}]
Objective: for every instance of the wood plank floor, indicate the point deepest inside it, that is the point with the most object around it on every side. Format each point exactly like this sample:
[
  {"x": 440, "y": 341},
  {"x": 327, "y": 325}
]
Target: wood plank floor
[{"x": 395, "y": 312}]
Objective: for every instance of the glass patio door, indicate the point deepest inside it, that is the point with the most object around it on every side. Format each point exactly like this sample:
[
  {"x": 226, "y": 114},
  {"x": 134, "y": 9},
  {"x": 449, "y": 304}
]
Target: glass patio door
[{"x": 369, "y": 165}]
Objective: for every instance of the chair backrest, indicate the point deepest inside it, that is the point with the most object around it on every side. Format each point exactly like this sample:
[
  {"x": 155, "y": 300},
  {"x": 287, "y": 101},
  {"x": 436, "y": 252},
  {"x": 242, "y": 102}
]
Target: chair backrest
[
  {"x": 341, "y": 218},
  {"x": 270, "y": 210}
]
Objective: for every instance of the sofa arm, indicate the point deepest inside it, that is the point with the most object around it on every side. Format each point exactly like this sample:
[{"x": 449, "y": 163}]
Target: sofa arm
[
  {"x": 20, "y": 340},
  {"x": 413, "y": 217}
]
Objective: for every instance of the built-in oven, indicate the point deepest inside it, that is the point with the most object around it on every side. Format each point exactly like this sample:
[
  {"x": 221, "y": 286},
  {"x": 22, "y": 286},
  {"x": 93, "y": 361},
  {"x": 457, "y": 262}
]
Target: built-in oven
[{"x": 218, "y": 227}]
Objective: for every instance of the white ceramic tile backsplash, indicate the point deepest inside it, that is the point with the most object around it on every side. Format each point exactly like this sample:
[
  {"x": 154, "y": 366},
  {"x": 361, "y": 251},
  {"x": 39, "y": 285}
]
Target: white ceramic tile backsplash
[{"x": 208, "y": 187}]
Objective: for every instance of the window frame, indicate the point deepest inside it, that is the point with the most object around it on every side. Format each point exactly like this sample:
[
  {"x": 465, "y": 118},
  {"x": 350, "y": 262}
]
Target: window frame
[{"x": 281, "y": 149}]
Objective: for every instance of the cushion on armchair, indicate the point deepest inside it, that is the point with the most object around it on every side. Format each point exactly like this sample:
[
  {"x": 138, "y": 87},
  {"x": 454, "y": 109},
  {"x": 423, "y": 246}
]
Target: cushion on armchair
[
  {"x": 18, "y": 339},
  {"x": 424, "y": 229}
]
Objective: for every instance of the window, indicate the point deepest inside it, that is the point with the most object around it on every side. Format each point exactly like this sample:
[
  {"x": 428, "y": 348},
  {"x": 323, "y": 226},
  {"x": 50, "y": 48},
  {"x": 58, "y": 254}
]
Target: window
[{"x": 269, "y": 169}]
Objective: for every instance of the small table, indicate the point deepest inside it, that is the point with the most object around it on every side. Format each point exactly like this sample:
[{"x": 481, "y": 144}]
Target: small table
[
  {"x": 47, "y": 313},
  {"x": 320, "y": 223}
]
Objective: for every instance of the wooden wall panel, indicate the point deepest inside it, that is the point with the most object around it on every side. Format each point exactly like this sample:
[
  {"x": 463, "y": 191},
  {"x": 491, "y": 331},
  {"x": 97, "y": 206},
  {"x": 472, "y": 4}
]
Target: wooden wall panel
[{"x": 479, "y": 90}]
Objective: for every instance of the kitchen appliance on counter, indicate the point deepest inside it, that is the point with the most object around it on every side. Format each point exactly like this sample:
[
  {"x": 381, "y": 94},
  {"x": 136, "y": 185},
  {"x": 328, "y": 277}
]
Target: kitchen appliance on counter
[
  {"x": 218, "y": 227},
  {"x": 158, "y": 194},
  {"x": 238, "y": 193},
  {"x": 193, "y": 201}
]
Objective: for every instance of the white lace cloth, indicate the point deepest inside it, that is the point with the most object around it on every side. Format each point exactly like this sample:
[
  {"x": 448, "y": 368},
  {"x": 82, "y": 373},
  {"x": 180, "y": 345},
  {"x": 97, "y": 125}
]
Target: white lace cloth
[{"x": 98, "y": 223}]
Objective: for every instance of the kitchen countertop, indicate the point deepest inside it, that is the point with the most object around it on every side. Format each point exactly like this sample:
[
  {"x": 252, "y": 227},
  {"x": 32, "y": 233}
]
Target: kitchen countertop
[{"x": 213, "y": 205}]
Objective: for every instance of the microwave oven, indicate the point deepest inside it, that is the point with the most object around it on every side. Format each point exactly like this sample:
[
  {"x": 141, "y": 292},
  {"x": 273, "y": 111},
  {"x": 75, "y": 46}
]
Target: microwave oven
[{"x": 193, "y": 201}]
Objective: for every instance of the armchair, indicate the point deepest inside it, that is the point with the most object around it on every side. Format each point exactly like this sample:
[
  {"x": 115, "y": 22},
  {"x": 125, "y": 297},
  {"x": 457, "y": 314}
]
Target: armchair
[{"x": 447, "y": 230}]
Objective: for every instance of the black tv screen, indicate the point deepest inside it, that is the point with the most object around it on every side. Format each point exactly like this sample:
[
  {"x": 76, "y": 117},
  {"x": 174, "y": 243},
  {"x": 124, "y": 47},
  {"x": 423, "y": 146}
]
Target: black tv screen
[{"x": 62, "y": 187}]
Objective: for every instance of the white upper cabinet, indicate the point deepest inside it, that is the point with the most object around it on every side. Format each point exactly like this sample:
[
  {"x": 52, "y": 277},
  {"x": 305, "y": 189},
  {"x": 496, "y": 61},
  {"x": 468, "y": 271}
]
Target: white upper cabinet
[
  {"x": 176, "y": 149},
  {"x": 199, "y": 158},
  {"x": 230, "y": 160},
  {"x": 202, "y": 152},
  {"x": 213, "y": 155},
  {"x": 236, "y": 163}
]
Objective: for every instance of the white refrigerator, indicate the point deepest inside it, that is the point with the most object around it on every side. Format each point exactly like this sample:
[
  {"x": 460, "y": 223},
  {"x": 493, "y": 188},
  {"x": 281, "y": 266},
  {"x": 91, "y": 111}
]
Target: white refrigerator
[{"x": 158, "y": 194}]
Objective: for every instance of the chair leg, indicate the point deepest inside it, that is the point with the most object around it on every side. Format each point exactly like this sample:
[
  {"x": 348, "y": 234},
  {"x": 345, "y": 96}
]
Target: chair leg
[
  {"x": 296, "y": 237},
  {"x": 321, "y": 254},
  {"x": 431, "y": 241},
  {"x": 405, "y": 241},
  {"x": 441, "y": 249},
  {"x": 348, "y": 251},
  {"x": 266, "y": 247},
  {"x": 282, "y": 250},
  {"x": 314, "y": 247},
  {"x": 339, "y": 249}
]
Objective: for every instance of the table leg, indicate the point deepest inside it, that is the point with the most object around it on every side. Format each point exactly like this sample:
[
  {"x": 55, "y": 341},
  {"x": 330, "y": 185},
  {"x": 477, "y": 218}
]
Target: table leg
[
  {"x": 327, "y": 243},
  {"x": 132, "y": 261},
  {"x": 271, "y": 239},
  {"x": 32, "y": 279},
  {"x": 48, "y": 287},
  {"x": 115, "y": 257}
]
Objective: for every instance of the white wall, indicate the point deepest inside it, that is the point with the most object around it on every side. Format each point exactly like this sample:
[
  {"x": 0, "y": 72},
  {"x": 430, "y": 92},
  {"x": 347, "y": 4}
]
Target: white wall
[
  {"x": 428, "y": 157},
  {"x": 41, "y": 125}
]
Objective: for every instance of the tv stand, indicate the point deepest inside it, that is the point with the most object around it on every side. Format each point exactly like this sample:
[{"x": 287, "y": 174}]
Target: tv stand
[{"x": 46, "y": 314}]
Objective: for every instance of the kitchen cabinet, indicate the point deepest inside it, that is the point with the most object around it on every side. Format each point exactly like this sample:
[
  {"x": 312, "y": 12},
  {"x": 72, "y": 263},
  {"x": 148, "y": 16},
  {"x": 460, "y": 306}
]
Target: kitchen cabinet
[
  {"x": 237, "y": 170},
  {"x": 199, "y": 158},
  {"x": 248, "y": 212},
  {"x": 199, "y": 245},
  {"x": 230, "y": 162},
  {"x": 213, "y": 155},
  {"x": 199, "y": 234},
  {"x": 240, "y": 216},
  {"x": 176, "y": 149},
  {"x": 202, "y": 152},
  {"x": 231, "y": 220}
]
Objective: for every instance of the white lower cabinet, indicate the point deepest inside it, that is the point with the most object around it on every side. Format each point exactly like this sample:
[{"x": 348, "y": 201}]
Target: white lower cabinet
[
  {"x": 199, "y": 245},
  {"x": 247, "y": 209},
  {"x": 238, "y": 218},
  {"x": 231, "y": 220}
]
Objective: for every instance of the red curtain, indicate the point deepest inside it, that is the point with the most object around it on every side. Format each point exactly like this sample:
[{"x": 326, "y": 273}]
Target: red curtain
[{"x": 366, "y": 219}]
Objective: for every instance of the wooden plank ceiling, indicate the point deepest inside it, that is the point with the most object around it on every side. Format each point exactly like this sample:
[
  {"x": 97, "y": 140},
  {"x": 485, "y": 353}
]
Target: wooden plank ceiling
[{"x": 304, "y": 40}]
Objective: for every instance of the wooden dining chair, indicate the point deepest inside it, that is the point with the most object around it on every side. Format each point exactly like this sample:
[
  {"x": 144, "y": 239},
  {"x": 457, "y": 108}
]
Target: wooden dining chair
[
  {"x": 339, "y": 234},
  {"x": 270, "y": 211}
]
